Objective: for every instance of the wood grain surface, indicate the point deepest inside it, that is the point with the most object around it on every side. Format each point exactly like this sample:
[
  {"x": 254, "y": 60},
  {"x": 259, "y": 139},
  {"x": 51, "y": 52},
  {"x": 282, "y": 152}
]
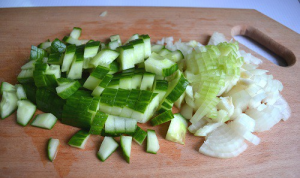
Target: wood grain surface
[{"x": 22, "y": 149}]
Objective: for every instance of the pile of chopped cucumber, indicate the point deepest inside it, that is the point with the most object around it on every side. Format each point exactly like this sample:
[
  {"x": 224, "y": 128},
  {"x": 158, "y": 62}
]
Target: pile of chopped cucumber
[{"x": 110, "y": 89}]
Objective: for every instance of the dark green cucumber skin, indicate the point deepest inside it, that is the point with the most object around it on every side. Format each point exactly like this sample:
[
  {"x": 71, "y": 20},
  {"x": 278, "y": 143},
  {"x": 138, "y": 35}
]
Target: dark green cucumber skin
[
  {"x": 55, "y": 58},
  {"x": 30, "y": 90},
  {"x": 57, "y": 46},
  {"x": 161, "y": 85},
  {"x": 98, "y": 123},
  {"x": 76, "y": 86},
  {"x": 183, "y": 83},
  {"x": 139, "y": 135},
  {"x": 48, "y": 150},
  {"x": 37, "y": 53},
  {"x": 162, "y": 118},
  {"x": 104, "y": 133},
  {"x": 81, "y": 133}
]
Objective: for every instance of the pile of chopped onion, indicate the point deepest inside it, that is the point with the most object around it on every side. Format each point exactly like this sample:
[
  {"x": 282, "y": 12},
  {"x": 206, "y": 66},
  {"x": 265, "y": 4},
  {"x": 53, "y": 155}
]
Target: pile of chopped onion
[{"x": 229, "y": 97}]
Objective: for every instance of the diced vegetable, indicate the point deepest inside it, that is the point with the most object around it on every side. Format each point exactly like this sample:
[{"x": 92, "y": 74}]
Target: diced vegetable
[
  {"x": 52, "y": 148},
  {"x": 45, "y": 121},
  {"x": 79, "y": 139},
  {"x": 152, "y": 142},
  {"x": 25, "y": 112},
  {"x": 108, "y": 146}
]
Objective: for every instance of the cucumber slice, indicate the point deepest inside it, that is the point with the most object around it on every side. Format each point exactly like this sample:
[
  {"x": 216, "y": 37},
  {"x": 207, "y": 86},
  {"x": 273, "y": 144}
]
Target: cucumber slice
[
  {"x": 126, "y": 142},
  {"x": 130, "y": 126},
  {"x": 75, "y": 71},
  {"x": 160, "y": 87},
  {"x": 160, "y": 65},
  {"x": 125, "y": 82},
  {"x": 91, "y": 49},
  {"x": 165, "y": 106},
  {"x": 164, "y": 52},
  {"x": 107, "y": 100},
  {"x": 133, "y": 37},
  {"x": 8, "y": 103},
  {"x": 116, "y": 37},
  {"x": 45, "y": 45},
  {"x": 103, "y": 84},
  {"x": 130, "y": 103},
  {"x": 162, "y": 118},
  {"x": 57, "y": 46},
  {"x": 25, "y": 112},
  {"x": 127, "y": 57},
  {"x": 5, "y": 86},
  {"x": 52, "y": 148},
  {"x": 175, "y": 56},
  {"x": 45, "y": 121},
  {"x": 62, "y": 81},
  {"x": 113, "y": 67},
  {"x": 104, "y": 58},
  {"x": 139, "y": 135},
  {"x": 96, "y": 77},
  {"x": 136, "y": 81},
  {"x": 70, "y": 40},
  {"x": 37, "y": 53},
  {"x": 110, "y": 125},
  {"x": 26, "y": 76},
  {"x": 177, "y": 129},
  {"x": 108, "y": 146},
  {"x": 68, "y": 58},
  {"x": 98, "y": 123},
  {"x": 113, "y": 45},
  {"x": 152, "y": 142},
  {"x": 68, "y": 89},
  {"x": 79, "y": 139},
  {"x": 21, "y": 94},
  {"x": 120, "y": 126},
  {"x": 179, "y": 101},
  {"x": 120, "y": 101},
  {"x": 157, "y": 48},
  {"x": 30, "y": 90},
  {"x": 139, "y": 50},
  {"x": 76, "y": 32},
  {"x": 147, "y": 45},
  {"x": 54, "y": 70},
  {"x": 29, "y": 65},
  {"x": 147, "y": 81}
]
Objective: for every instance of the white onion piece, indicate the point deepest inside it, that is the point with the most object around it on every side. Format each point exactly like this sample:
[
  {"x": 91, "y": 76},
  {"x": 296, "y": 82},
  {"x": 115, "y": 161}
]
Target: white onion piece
[
  {"x": 245, "y": 133},
  {"x": 250, "y": 59},
  {"x": 161, "y": 42},
  {"x": 240, "y": 101},
  {"x": 258, "y": 71},
  {"x": 284, "y": 108},
  {"x": 186, "y": 111},
  {"x": 249, "y": 66},
  {"x": 245, "y": 122},
  {"x": 226, "y": 104},
  {"x": 194, "y": 127},
  {"x": 208, "y": 128}
]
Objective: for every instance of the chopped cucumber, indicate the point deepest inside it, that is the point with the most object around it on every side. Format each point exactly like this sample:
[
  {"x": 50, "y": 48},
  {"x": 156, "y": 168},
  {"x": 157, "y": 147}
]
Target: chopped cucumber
[
  {"x": 91, "y": 49},
  {"x": 26, "y": 76},
  {"x": 67, "y": 89},
  {"x": 113, "y": 45},
  {"x": 98, "y": 123},
  {"x": 147, "y": 81},
  {"x": 157, "y": 48},
  {"x": 147, "y": 45},
  {"x": 116, "y": 37},
  {"x": 76, "y": 32},
  {"x": 37, "y": 53},
  {"x": 162, "y": 118},
  {"x": 125, "y": 82},
  {"x": 45, "y": 45},
  {"x": 177, "y": 129},
  {"x": 5, "y": 86},
  {"x": 152, "y": 142},
  {"x": 68, "y": 58},
  {"x": 96, "y": 77},
  {"x": 52, "y": 148},
  {"x": 133, "y": 37},
  {"x": 75, "y": 71},
  {"x": 8, "y": 103},
  {"x": 120, "y": 101},
  {"x": 103, "y": 84},
  {"x": 45, "y": 121},
  {"x": 164, "y": 52},
  {"x": 160, "y": 65},
  {"x": 160, "y": 87},
  {"x": 25, "y": 112},
  {"x": 71, "y": 40},
  {"x": 113, "y": 67},
  {"x": 57, "y": 46},
  {"x": 175, "y": 56},
  {"x": 136, "y": 80},
  {"x": 139, "y": 50},
  {"x": 139, "y": 135},
  {"x": 29, "y": 65},
  {"x": 108, "y": 146},
  {"x": 127, "y": 57},
  {"x": 104, "y": 58},
  {"x": 126, "y": 142},
  {"x": 79, "y": 139}
]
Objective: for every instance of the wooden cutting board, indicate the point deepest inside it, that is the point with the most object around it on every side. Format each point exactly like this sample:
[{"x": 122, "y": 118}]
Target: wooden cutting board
[{"x": 22, "y": 149}]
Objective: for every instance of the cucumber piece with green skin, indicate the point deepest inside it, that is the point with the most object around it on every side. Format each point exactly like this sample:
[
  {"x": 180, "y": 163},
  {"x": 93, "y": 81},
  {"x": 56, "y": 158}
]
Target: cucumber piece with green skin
[
  {"x": 68, "y": 89},
  {"x": 26, "y": 76},
  {"x": 57, "y": 46},
  {"x": 30, "y": 90},
  {"x": 133, "y": 37},
  {"x": 107, "y": 100},
  {"x": 177, "y": 129},
  {"x": 130, "y": 126},
  {"x": 75, "y": 71},
  {"x": 157, "y": 48},
  {"x": 126, "y": 142},
  {"x": 68, "y": 58},
  {"x": 98, "y": 123},
  {"x": 62, "y": 81},
  {"x": 149, "y": 111},
  {"x": 175, "y": 56},
  {"x": 54, "y": 70},
  {"x": 139, "y": 50},
  {"x": 139, "y": 135},
  {"x": 113, "y": 45},
  {"x": 71, "y": 40},
  {"x": 110, "y": 125},
  {"x": 94, "y": 106},
  {"x": 108, "y": 146},
  {"x": 103, "y": 84},
  {"x": 165, "y": 106},
  {"x": 164, "y": 52},
  {"x": 113, "y": 67},
  {"x": 45, "y": 45},
  {"x": 152, "y": 142},
  {"x": 120, "y": 126},
  {"x": 116, "y": 37},
  {"x": 147, "y": 45},
  {"x": 147, "y": 81},
  {"x": 45, "y": 121},
  {"x": 52, "y": 148},
  {"x": 96, "y": 77},
  {"x": 8, "y": 103},
  {"x": 29, "y": 65},
  {"x": 162, "y": 118},
  {"x": 5, "y": 86},
  {"x": 25, "y": 112},
  {"x": 76, "y": 32},
  {"x": 79, "y": 139},
  {"x": 21, "y": 94},
  {"x": 178, "y": 102},
  {"x": 37, "y": 53},
  {"x": 91, "y": 49},
  {"x": 160, "y": 87},
  {"x": 104, "y": 58},
  {"x": 39, "y": 77},
  {"x": 120, "y": 101},
  {"x": 125, "y": 82},
  {"x": 160, "y": 65},
  {"x": 127, "y": 57},
  {"x": 114, "y": 83},
  {"x": 130, "y": 103},
  {"x": 136, "y": 80},
  {"x": 55, "y": 58}
]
